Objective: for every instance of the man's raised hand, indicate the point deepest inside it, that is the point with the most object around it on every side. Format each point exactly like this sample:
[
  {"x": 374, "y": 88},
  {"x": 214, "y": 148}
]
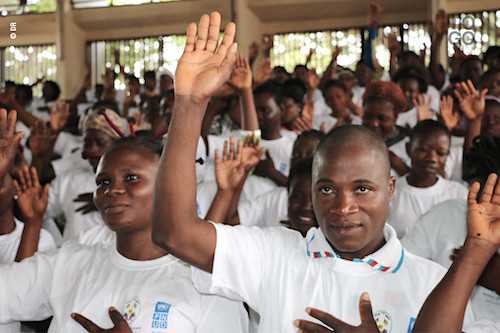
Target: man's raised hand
[{"x": 203, "y": 67}]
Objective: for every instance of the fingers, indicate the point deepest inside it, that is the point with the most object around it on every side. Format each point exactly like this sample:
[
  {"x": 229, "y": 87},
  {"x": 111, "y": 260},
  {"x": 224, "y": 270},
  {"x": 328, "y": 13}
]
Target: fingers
[
  {"x": 190, "y": 38},
  {"x": 239, "y": 148},
  {"x": 86, "y": 323},
  {"x": 17, "y": 188},
  {"x": 365, "y": 309},
  {"x": 201, "y": 41},
  {"x": 496, "y": 193},
  {"x": 3, "y": 122},
  {"x": 305, "y": 326},
  {"x": 116, "y": 317},
  {"x": 216, "y": 157},
  {"x": 231, "y": 148},
  {"x": 213, "y": 32},
  {"x": 44, "y": 196},
  {"x": 34, "y": 177},
  {"x": 224, "y": 152},
  {"x": 473, "y": 192},
  {"x": 327, "y": 319},
  {"x": 489, "y": 187},
  {"x": 11, "y": 123},
  {"x": 227, "y": 40}
]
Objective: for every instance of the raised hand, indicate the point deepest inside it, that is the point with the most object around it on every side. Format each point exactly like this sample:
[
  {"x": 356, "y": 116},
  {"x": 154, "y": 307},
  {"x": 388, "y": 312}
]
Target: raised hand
[
  {"x": 393, "y": 45},
  {"x": 89, "y": 206},
  {"x": 374, "y": 11},
  {"x": 59, "y": 116},
  {"x": 264, "y": 71},
  {"x": 9, "y": 141},
  {"x": 267, "y": 44},
  {"x": 313, "y": 79},
  {"x": 40, "y": 139},
  {"x": 253, "y": 51},
  {"x": 309, "y": 56},
  {"x": 471, "y": 102},
  {"x": 31, "y": 197},
  {"x": 120, "y": 325},
  {"x": 483, "y": 214},
  {"x": 203, "y": 67},
  {"x": 450, "y": 118},
  {"x": 250, "y": 152},
  {"x": 368, "y": 324},
  {"x": 441, "y": 25},
  {"x": 138, "y": 121},
  {"x": 231, "y": 171},
  {"x": 423, "y": 106},
  {"x": 241, "y": 77}
]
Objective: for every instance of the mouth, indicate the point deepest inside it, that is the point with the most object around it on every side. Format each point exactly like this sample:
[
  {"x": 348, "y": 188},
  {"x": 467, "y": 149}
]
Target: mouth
[
  {"x": 115, "y": 208},
  {"x": 306, "y": 220},
  {"x": 346, "y": 228}
]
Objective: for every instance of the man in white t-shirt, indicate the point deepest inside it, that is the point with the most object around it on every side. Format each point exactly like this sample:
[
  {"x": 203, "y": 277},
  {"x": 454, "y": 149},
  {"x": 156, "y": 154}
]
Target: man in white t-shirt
[{"x": 277, "y": 271}]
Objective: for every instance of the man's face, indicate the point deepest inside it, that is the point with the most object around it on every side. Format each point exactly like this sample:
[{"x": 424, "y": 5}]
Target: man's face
[
  {"x": 351, "y": 191},
  {"x": 428, "y": 153},
  {"x": 336, "y": 100},
  {"x": 380, "y": 117}
]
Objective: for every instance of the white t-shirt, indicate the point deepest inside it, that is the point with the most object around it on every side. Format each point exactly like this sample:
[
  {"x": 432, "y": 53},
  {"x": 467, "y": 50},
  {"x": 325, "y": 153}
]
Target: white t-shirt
[
  {"x": 266, "y": 210},
  {"x": 331, "y": 121},
  {"x": 483, "y": 326},
  {"x": 439, "y": 231},
  {"x": 63, "y": 190},
  {"x": 279, "y": 273},
  {"x": 9, "y": 244},
  {"x": 410, "y": 202},
  {"x": 153, "y": 295},
  {"x": 95, "y": 235},
  {"x": 453, "y": 165}
]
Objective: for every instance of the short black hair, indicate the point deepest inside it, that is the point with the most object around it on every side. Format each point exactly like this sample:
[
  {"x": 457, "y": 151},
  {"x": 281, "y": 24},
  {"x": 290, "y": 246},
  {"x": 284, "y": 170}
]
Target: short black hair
[
  {"x": 55, "y": 87},
  {"x": 106, "y": 103},
  {"x": 302, "y": 167},
  {"x": 427, "y": 126},
  {"x": 334, "y": 83},
  {"x": 150, "y": 75},
  {"x": 482, "y": 159},
  {"x": 295, "y": 84},
  {"x": 413, "y": 72},
  {"x": 492, "y": 51},
  {"x": 311, "y": 134},
  {"x": 24, "y": 91},
  {"x": 271, "y": 88},
  {"x": 141, "y": 140}
]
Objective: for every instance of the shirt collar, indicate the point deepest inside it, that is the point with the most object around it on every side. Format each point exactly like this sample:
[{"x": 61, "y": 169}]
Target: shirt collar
[{"x": 388, "y": 258}]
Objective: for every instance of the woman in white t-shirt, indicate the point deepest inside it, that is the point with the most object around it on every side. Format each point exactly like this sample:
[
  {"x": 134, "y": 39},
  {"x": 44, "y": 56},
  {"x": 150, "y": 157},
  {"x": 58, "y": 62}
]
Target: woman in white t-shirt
[
  {"x": 151, "y": 290},
  {"x": 423, "y": 187}
]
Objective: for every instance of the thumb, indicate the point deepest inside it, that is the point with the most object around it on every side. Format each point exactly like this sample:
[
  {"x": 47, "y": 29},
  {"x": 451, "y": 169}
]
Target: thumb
[
  {"x": 267, "y": 155},
  {"x": 228, "y": 62},
  {"x": 322, "y": 127},
  {"x": 483, "y": 93},
  {"x": 365, "y": 309},
  {"x": 116, "y": 317}
]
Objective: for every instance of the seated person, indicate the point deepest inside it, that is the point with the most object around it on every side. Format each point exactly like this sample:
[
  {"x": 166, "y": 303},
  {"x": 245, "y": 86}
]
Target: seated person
[
  {"x": 150, "y": 288},
  {"x": 352, "y": 188},
  {"x": 423, "y": 187},
  {"x": 443, "y": 229}
]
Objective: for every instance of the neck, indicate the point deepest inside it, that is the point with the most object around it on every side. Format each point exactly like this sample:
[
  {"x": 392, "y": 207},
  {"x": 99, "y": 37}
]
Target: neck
[
  {"x": 138, "y": 245},
  {"x": 419, "y": 181},
  {"x": 7, "y": 224},
  {"x": 340, "y": 114},
  {"x": 361, "y": 253},
  {"x": 272, "y": 134}
]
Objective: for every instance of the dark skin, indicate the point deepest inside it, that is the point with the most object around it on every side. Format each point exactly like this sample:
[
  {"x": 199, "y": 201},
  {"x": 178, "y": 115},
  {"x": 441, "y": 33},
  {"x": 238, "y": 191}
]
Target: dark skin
[
  {"x": 269, "y": 115},
  {"x": 490, "y": 122},
  {"x": 300, "y": 210},
  {"x": 428, "y": 153},
  {"x": 302, "y": 148},
  {"x": 336, "y": 99},
  {"x": 351, "y": 194},
  {"x": 411, "y": 91},
  {"x": 381, "y": 117}
]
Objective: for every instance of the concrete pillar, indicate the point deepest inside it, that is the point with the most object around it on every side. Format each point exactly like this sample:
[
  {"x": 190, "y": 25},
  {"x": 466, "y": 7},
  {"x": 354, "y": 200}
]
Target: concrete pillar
[
  {"x": 70, "y": 41},
  {"x": 249, "y": 27}
]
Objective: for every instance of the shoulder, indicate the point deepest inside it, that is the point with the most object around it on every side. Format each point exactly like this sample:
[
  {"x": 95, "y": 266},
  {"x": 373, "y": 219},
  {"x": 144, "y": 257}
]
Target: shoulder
[{"x": 432, "y": 271}]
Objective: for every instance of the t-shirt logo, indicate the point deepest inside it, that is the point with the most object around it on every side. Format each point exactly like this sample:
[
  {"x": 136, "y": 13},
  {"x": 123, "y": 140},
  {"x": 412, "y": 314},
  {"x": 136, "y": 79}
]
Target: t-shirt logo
[
  {"x": 383, "y": 320},
  {"x": 160, "y": 316},
  {"x": 131, "y": 309}
]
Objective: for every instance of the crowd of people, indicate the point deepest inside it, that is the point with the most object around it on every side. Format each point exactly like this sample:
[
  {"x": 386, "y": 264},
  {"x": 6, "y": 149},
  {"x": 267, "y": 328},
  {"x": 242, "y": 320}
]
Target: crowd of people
[{"x": 216, "y": 200}]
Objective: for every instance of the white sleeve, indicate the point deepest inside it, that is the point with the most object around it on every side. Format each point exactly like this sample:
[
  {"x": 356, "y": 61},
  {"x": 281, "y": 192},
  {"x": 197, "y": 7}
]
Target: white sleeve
[
  {"x": 239, "y": 265},
  {"x": 54, "y": 206},
  {"x": 46, "y": 242},
  {"x": 222, "y": 315},
  {"x": 26, "y": 287}
]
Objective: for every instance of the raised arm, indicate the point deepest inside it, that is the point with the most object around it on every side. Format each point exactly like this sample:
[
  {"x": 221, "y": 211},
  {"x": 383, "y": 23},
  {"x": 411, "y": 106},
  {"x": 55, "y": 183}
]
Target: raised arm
[
  {"x": 440, "y": 28},
  {"x": 9, "y": 142},
  {"x": 444, "y": 309},
  {"x": 201, "y": 70}
]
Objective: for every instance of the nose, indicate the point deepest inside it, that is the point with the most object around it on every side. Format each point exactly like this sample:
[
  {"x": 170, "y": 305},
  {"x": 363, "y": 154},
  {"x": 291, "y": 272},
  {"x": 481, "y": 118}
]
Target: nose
[
  {"x": 344, "y": 204},
  {"x": 432, "y": 156},
  {"x": 114, "y": 188}
]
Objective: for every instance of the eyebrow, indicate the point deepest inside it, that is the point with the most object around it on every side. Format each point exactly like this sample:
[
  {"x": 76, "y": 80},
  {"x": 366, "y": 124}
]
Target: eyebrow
[
  {"x": 357, "y": 181},
  {"x": 121, "y": 170}
]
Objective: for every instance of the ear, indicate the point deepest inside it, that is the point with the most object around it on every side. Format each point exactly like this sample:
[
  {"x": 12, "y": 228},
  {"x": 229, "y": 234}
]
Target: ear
[{"x": 392, "y": 186}]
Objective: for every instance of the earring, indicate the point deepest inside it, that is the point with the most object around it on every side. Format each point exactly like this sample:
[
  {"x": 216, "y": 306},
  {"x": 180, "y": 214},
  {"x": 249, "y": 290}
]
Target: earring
[{"x": 16, "y": 197}]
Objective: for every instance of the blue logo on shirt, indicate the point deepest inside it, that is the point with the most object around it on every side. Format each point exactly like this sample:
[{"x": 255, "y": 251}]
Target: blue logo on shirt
[
  {"x": 282, "y": 168},
  {"x": 412, "y": 323},
  {"x": 160, "y": 316}
]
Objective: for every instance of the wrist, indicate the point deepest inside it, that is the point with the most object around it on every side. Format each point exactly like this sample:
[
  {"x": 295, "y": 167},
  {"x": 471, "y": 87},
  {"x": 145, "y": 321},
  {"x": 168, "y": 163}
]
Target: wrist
[
  {"x": 34, "y": 222},
  {"x": 191, "y": 100},
  {"x": 480, "y": 247}
]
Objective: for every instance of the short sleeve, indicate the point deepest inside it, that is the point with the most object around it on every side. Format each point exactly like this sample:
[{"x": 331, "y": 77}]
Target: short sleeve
[
  {"x": 417, "y": 241},
  {"x": 26, "y": 287},
  {"x": 222, "y": 315}
]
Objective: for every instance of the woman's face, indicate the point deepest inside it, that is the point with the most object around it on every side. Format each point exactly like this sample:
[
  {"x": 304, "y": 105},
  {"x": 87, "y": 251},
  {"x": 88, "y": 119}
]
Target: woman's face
[
  {"x": 125, "y": 180},
  {"x": 95, "y": 143}
]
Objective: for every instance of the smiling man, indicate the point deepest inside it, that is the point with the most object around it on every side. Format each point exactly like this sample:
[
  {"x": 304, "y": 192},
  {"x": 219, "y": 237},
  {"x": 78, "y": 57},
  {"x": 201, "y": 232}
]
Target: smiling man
[{"x": 275, "y": 270}]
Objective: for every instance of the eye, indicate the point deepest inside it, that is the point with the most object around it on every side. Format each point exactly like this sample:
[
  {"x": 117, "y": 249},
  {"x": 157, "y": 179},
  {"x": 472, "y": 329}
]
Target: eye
[
  {"x": 131, "y": 177},
  {"x": 362, "y": 189},
  {"x": 102, "y": 181},
  {"x": 325, "y": 190}
]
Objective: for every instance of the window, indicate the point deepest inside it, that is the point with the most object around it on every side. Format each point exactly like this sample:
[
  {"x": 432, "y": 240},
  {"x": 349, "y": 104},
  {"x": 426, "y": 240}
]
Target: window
[
  {"x": 78, "y": 4},
  {"x": 26, "y": 64},
  {"x": 12, "y": 7}
]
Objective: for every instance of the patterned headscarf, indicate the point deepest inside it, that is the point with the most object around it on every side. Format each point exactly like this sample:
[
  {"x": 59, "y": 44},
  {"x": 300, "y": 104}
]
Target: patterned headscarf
[{"x": 96, "y": 121}]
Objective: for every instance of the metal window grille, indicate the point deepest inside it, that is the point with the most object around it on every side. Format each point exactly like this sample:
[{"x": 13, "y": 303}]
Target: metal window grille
[{"x": 25, "y": 64}]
